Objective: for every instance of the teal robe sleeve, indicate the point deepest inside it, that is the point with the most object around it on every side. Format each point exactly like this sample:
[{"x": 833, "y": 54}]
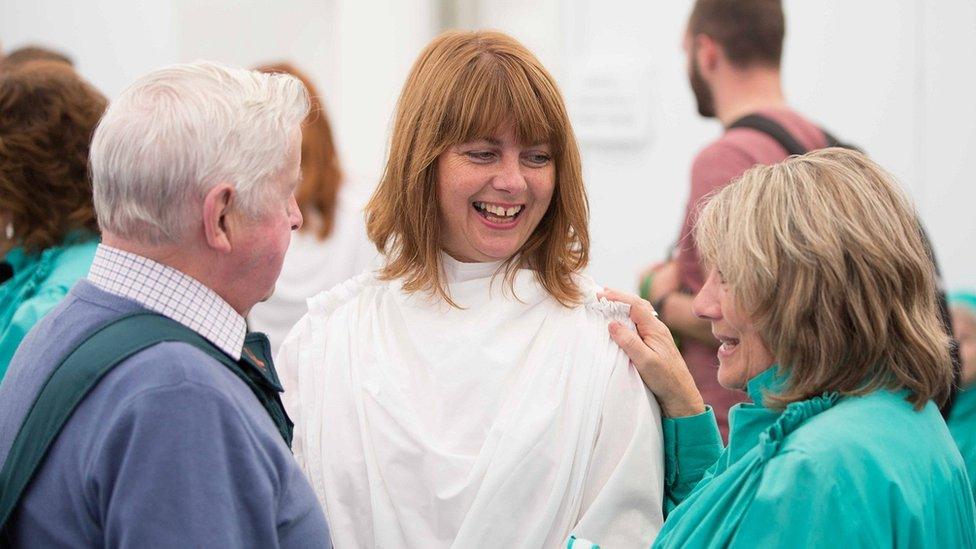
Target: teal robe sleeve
[{"x": 692, "y": 445}]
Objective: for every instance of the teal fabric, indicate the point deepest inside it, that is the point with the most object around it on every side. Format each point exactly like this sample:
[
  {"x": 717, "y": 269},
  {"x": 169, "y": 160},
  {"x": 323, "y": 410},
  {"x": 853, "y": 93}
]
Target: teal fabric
[
  {"x": 579, "y": 543},
  {"x": 39, "y": 283},
  {"x": 691, "y": 446},
  {"x": 962, "y": 425},
  {"x": 864, "y": 471},
  {"x": 963, "y": 298}
]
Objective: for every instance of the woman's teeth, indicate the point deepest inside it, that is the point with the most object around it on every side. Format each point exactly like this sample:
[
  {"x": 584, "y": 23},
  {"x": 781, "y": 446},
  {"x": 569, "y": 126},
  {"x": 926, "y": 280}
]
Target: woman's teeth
[
  {"x": 496, "y": 211},
  {"x": 728, "y": 344}
]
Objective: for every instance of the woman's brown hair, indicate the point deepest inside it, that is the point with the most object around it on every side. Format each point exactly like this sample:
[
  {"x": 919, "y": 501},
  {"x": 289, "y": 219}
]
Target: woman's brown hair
[
  {"x": 321, "y": 173},
  {"x": 465, "y": 86},
  {"x": 47, "y": 116},
  {"x": 827, "y": 256}
]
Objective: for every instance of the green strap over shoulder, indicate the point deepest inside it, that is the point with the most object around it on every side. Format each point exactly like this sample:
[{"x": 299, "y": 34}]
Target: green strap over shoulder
[{"x": 94, "y": 357}]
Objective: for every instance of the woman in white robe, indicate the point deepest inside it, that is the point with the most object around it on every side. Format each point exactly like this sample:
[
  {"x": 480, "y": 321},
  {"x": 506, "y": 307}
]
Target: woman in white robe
[{"x": 468, "y": 393}]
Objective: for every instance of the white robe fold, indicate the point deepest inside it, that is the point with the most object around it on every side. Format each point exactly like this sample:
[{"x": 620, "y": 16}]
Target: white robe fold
[{"x": 512, "y": 421}]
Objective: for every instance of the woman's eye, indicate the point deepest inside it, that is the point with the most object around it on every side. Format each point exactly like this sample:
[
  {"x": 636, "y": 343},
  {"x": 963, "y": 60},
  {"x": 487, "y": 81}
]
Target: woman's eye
[
  {"x": 538, "y": 159},
  {"x": 481, "y": 156}
]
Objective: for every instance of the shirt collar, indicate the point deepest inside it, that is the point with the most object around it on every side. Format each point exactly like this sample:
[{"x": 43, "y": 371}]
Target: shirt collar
[
  {"x": 171, "y": 293},
  {"x": 769, "y": 381}
]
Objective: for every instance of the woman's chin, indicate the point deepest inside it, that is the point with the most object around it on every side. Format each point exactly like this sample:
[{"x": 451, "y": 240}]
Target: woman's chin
[{"x": 731, "y": 378}]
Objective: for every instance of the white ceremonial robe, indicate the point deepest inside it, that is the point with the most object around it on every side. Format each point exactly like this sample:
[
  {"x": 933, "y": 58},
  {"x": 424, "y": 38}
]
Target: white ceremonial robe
[{"x": 512, "y": 421}]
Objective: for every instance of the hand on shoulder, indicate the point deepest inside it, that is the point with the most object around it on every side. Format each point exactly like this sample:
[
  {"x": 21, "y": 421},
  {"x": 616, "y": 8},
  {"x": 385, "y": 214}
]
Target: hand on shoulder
[{"x": 653, "y": 352}]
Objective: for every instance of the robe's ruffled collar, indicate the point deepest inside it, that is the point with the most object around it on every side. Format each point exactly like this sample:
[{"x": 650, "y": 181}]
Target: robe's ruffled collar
[{"x": 752, "y": 424}]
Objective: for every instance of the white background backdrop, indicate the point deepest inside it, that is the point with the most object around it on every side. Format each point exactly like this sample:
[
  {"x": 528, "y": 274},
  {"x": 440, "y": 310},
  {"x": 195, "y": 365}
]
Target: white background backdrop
[{"x": 894, "y": 77}]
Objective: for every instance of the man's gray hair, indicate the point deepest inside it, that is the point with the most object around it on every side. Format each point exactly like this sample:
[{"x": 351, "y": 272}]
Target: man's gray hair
[{"x": 177, "y": 132}]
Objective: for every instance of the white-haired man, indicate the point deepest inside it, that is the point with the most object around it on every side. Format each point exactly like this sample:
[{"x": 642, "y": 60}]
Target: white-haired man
[{"x": 178, "y": 438}]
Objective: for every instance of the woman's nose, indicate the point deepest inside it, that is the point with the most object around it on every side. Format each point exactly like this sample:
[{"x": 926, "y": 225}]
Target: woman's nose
[
  {"x": 509, "y": 177},
  {"x": 706, "y": 305}
]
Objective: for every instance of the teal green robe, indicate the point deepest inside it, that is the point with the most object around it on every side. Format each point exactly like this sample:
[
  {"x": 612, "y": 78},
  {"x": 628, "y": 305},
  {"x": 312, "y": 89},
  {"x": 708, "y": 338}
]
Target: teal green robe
[
  {"x": 39, "y": 283},
  {"x": 962, "y": 425},
  {"x": 849, "y": 472}
]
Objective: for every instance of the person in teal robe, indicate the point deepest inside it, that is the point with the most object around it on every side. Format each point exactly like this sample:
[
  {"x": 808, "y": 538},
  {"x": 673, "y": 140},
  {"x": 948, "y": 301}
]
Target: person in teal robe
[
  {"x": 48, "y": 231},
  {"x": 39, "y": 282},
  {"x": 962, "y": 419},
  {"x": 821, "y": 294}
]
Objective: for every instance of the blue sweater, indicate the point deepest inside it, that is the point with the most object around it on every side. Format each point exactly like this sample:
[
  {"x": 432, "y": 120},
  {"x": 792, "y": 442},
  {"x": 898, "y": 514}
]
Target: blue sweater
[{"x": 170, "y": 449}]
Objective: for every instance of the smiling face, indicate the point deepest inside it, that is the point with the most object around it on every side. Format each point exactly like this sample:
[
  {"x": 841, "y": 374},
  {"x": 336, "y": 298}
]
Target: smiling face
[
  {"x": 743, "y": 354},
  {"x": 491, "y": 194}
]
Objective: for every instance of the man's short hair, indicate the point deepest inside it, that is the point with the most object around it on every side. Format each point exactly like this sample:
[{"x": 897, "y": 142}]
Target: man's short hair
[
  {"x": 749, "y": 31},
  {"x": 177, "y": 132},
  {"x": 318, "y": 193}
]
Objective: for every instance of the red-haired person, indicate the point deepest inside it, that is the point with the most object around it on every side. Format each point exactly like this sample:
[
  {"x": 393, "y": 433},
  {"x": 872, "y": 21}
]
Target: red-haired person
[
  {"x": 467, "y": 394},
  {"x": 47, "y": 221}
]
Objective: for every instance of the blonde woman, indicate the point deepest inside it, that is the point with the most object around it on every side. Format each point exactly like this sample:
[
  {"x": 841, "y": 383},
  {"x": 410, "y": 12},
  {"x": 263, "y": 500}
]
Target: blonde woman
[
  {"x": 469, "y": 394},
  {"x": 822, "y": 295}
]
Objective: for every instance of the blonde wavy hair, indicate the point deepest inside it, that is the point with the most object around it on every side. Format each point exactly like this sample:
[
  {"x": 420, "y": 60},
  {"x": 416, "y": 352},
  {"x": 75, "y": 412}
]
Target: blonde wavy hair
[
  {"x": 464, "y": 86},
  {"x": 827, "y": 256}
]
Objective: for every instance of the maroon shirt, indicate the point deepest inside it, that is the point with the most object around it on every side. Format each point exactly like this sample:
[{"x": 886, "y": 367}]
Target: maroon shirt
[{"x": 715, "y": 166}]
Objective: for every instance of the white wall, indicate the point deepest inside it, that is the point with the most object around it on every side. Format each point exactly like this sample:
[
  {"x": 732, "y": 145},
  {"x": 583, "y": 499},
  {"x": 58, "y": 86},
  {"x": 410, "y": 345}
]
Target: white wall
[
  {"x": 897, "y": 81},
  {"x": 111, "y": 41},
  {"x": 357, "y": 52},
  {"x": 947, "y": 137}
]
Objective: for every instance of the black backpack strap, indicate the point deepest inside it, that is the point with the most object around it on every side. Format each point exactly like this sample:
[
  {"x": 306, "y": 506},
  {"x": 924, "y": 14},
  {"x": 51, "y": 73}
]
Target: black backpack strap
[
  {"x": 86, "y": 365},
  {"x": 773, "y": 129},
  {"x": 832, "y": 141}
]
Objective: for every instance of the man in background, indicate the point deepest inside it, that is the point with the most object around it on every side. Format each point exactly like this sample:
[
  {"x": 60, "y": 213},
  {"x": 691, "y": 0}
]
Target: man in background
[{"x": 734, "y": 50}]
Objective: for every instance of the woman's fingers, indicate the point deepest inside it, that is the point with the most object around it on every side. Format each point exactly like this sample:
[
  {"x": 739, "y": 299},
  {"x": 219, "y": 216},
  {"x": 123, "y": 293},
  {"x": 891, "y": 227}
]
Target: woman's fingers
[
  {"x": 651, "y": 329},
  {"x": 651, "y": 349},
  {"x": 632, "y": 345},
  {"x": 622, "y": 297},
  {"x": 640, "y": 309}
]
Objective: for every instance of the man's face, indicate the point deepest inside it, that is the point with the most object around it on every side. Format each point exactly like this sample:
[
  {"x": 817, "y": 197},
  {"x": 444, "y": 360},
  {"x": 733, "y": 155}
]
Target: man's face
[
  {"x": 703, "y": 92},
  {"x": 263, "y": 240}
]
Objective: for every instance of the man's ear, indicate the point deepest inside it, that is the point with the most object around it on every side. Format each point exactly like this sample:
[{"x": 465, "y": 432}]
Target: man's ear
[
  {"x": 707, "y": 53},
  {"x": 217, "y": 205}
]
